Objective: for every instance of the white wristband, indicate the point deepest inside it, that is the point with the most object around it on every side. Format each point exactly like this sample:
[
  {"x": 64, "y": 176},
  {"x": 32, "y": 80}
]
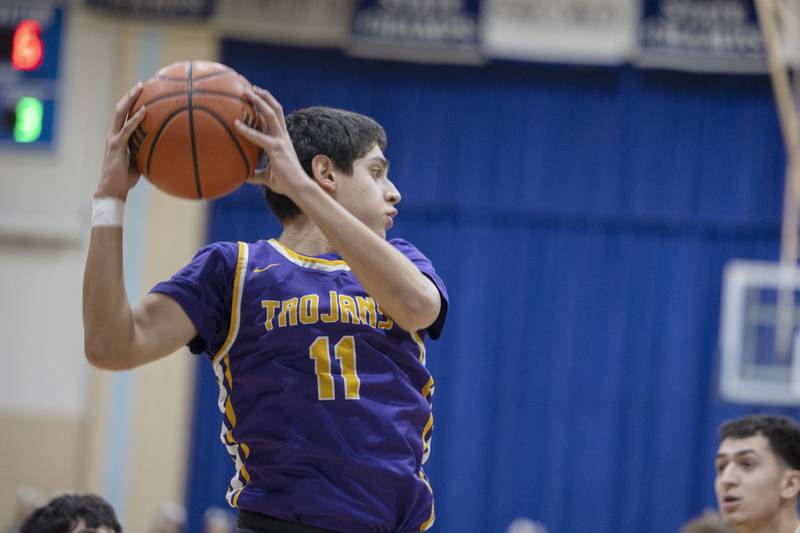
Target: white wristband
[{"x": 107, "y": 211}]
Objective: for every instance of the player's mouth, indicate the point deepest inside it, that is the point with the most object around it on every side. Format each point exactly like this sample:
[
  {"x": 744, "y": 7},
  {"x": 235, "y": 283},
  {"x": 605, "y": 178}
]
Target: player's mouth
[
  {"x": 390, "y": 216},
  {"x": 730, "y": 503}
]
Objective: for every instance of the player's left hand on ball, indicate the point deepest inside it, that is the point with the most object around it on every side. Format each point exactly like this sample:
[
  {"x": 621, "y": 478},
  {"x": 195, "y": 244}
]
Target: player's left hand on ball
[
  {"x": 118, "y": 174},
  {"x": 283, "y": 172}
]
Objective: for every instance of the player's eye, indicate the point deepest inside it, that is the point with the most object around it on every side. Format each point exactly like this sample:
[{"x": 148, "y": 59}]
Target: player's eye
[{"x": 721, "y": 467}]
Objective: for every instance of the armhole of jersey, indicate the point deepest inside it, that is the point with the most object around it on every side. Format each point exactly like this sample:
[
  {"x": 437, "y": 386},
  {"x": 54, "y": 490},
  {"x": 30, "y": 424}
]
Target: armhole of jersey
[
  {"x": 239, "y": 451},
  {"x": 236, "y": 302}
]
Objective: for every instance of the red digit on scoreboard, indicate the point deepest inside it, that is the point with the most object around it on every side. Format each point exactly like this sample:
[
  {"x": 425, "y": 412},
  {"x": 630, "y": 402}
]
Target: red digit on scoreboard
[{"x": 27, "y": 47}]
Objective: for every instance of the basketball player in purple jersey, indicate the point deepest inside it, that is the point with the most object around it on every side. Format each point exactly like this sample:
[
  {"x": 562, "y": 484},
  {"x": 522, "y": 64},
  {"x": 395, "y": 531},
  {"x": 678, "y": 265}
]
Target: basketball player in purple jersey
[{"x": 316, "y": 338}]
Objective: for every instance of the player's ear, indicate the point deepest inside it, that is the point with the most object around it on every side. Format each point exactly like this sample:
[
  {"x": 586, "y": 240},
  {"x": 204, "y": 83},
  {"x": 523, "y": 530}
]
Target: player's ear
[
  {"x": 323, "y": 172},
  {"x": 791, "y": 484}
]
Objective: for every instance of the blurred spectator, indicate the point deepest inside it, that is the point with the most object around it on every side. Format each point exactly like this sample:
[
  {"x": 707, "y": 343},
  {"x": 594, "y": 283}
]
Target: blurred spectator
[
  {"x": 709, "y": 522},
  {"x": 170, "y": 518},
  {"x": 216, "y": 520},
  {"x": 28, "y": 500},
  {"x": 73, "y": 513},
  {"x": 525, "y": 525}
]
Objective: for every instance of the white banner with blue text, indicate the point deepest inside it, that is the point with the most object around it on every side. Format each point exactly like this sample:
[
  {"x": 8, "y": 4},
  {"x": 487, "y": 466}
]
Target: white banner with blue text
[
  {"x": 701, "y": 35},
  {"x": 431, "y": 31}
]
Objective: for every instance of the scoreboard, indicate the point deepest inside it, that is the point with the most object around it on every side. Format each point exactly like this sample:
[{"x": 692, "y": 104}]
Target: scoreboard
[{"x": 30, "y": 38}]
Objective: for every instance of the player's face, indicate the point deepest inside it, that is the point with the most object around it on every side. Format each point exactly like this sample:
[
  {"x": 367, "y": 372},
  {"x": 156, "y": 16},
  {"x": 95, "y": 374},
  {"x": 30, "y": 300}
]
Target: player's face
[
  {"x": 368, "y": 193},
  {"x": 751, "y": 483}
]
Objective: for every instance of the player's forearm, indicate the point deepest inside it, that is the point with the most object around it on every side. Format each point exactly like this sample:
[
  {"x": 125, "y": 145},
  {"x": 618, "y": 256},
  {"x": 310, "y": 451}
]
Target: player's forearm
[
  {"x": 107, "y": 317},
  {"x": 386, "y": 274}
]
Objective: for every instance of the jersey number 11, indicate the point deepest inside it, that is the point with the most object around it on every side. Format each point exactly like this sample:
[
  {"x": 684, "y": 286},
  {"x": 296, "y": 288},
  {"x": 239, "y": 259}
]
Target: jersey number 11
[{"x": 345, "y": 352}]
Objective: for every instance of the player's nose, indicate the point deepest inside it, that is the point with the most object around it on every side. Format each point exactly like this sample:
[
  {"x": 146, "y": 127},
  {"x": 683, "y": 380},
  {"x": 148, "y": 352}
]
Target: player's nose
[
  {"x": 727, "y": 477},
  {"x": 392, "y": 195}
]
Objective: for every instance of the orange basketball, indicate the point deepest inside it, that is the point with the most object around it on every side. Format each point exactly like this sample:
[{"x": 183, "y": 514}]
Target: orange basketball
[{"x": 187, "y": 144}]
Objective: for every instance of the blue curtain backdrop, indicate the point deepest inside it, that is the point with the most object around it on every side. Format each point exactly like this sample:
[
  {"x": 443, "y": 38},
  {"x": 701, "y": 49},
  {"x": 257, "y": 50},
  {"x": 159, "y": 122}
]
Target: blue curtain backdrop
[{"x": 581, "y": 218}]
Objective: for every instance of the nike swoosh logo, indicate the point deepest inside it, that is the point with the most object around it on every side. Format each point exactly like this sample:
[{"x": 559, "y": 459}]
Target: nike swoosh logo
[{"x": 259, "y": 270}]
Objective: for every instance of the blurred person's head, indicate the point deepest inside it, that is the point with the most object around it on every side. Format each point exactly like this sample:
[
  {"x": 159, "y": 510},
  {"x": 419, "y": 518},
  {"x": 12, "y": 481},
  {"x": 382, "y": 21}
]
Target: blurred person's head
[
  {"x": 758, "y": 472},
  {"x": 525, "y": 525},
  {"x": 170, "y": 518},
  {"x": 709, "y": 522},
  {"x": 216, "y": 520},
  {"x": 73, "y": 513}
]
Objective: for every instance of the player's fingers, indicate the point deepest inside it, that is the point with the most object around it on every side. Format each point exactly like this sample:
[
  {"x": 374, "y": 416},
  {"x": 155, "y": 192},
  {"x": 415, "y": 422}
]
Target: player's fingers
[
  {"x": 273, "y": 103},
  {"x": 254, "y": 136},
  {"x": 124, "y": 106},
  {"x": 262, "y": 110},
  {"x": 120, "y": 140},
  {"x": 132, "y": 123},
  {"x": 265, "y": 113}
]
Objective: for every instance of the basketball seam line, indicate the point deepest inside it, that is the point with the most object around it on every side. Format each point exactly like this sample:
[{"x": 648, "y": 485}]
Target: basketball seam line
[
  {"x": 191, "y": 135},
  {"x": 161, "y": 128},
  {"x": 231, "y": 135},
  {"x": 207, "y": 76},
  {"x": 194, "y": 91}
]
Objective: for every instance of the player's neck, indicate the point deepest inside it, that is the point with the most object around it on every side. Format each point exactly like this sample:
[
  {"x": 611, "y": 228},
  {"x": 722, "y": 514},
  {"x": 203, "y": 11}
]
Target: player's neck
[{"x": 304, "y": 237}]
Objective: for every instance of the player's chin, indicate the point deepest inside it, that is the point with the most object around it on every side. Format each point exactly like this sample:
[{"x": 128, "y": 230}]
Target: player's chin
[
  {"x": 734, "y": 518},
  {"x": 388, "y": 222}
]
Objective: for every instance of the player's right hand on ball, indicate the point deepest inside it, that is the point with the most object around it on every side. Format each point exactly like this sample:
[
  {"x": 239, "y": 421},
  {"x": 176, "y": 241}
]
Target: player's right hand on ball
[
  {"x": 119, "y": 175},
  {"x": 284, "y": 172}
]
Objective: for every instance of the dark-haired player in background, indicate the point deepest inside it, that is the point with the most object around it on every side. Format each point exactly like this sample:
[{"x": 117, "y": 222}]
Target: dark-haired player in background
[
  {"x": 758, "y": 474},
  {"x": 73, "y": 513},
  {"x": 316, "y": 337}
]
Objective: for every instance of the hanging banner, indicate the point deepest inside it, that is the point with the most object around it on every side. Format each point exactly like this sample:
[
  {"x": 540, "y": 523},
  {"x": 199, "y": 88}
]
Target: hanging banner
[
  {"x": 192, "y": 9},
  {"x": 430, "y": 31},
  {"x": 574, "y": 31},
  {"x": 701, "y": 35},
  {"x": 299, "y": 22}
]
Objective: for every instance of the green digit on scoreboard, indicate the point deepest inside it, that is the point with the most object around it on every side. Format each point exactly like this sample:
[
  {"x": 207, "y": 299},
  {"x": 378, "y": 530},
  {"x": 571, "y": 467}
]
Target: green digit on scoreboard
[{"x": 29, "y": 113}]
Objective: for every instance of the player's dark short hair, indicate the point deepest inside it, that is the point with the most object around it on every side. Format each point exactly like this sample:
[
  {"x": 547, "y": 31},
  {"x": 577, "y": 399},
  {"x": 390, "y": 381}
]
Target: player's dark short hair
[
  {"x": 63, "y": 513},
  {"x": 782, "y": 433},
  {"x": 342, "y": 135}
]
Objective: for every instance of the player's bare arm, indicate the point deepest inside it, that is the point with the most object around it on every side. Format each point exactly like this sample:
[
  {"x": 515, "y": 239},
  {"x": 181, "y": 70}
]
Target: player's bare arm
[
  {"x": 407, "y": 295},
  {"x": 117, "y": 336}
]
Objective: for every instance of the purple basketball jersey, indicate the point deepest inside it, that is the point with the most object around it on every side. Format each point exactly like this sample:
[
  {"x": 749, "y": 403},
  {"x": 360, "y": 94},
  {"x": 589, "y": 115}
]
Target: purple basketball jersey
[{"x": 326, "y": 402}]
